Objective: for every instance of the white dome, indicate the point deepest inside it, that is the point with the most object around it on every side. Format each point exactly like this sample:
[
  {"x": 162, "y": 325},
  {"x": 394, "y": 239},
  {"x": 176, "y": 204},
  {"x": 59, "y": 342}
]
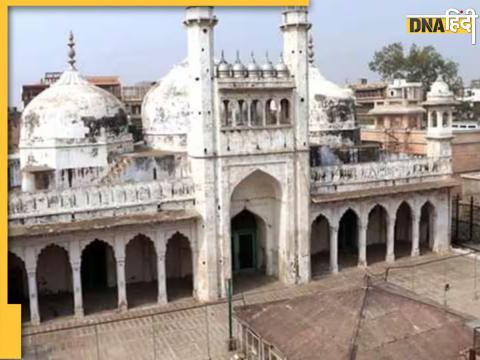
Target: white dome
[
  {"x": 166, "y": 107},
  {"x": 331, "y": 106},
  {"x": 440, "y": 94},
  {"x": 72, "y": 108}
]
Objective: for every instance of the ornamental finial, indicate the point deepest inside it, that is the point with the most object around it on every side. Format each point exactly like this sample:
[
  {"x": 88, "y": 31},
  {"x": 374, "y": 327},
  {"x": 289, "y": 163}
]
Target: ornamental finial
[{"x": 71, "y": 51}]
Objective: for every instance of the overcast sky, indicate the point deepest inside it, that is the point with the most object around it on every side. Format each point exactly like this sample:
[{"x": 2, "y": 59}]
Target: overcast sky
[{"x": 144, "y": 43}]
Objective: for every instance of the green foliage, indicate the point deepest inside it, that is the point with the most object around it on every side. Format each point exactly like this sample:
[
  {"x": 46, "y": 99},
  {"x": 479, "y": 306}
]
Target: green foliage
[{"x": 419, "y": 64}]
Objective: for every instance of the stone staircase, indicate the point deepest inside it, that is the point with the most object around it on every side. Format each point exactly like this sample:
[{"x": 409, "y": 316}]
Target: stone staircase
[{"x": 116, "y": 170}]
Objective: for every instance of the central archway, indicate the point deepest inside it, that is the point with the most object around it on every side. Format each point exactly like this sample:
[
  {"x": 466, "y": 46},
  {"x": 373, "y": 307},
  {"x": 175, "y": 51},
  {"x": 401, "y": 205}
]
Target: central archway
[{"x": 254, "y": 229}]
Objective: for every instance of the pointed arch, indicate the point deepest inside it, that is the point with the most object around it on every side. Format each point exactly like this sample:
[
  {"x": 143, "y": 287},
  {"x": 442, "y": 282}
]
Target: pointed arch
[
  {"x": 18, "y": 284},
  {"x": 54, "y": 282},
  {"x": 99, "y": 276},
  {"x": 141, "y": 271},
  {"x": 403, "y": 232},
  {"x": 179, "y": 266},
  {"x": 377, "y": 233},
  {"x": 428, "y": 226},
  {"x": 320, "y": 245}
]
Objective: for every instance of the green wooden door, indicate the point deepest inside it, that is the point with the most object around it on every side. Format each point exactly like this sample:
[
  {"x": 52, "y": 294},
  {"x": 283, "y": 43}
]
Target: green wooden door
[{"x": 244, "y": 250}]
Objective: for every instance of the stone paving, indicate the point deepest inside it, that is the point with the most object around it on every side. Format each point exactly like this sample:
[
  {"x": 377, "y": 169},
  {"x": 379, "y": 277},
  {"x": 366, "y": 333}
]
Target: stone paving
[{"x": 187, "y": 330}]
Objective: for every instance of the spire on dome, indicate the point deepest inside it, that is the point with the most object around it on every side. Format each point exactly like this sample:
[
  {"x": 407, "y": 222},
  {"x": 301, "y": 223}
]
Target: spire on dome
[
  {"x": 71, "y": 51},
  {"x": 311, "y": 50}
]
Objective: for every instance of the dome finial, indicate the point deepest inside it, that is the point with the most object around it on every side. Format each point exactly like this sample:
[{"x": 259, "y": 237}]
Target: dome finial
[
  {"x": 252, "y": 55},
  {"x": 71, "y": 51},
  {"x": 311, "y": 50},
  {"x": 237, "y": 60}
]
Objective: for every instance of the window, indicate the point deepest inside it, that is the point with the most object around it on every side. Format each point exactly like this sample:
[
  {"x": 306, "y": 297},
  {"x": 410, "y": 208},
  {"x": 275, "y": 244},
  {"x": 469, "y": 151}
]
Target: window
[
  {"x": 241, "y": 118},
  {"x": 226, "y": 114},
  {"x": 445, "y": 119},
  {"x": 270, "y": 112},
  {"x": 284, "y": 112},
  {"x": 255, "y": 113},
  {"x": 434, "y": 119}
]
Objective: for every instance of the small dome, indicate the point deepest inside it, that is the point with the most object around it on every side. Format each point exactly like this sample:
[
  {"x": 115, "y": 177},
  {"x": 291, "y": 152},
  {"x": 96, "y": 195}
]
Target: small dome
[
  {"x": 253, "y": 68},
  {"x": 223, "y": 67},
  {"x": 281, "y": 68},
  {"x": 238, "y": 68},
  {"x": 267, "y": 68},
  {"x": 440, "y": 88},
  {"x": 440, "y": 93},
  {"x": 72, "y": 108}
]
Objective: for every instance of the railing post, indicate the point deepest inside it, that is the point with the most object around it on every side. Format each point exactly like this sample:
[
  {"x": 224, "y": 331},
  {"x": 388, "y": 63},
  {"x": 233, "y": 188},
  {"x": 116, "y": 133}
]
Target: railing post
[
  {"x": 471, "y": 219},
  {"x": 457, "y": 210}
]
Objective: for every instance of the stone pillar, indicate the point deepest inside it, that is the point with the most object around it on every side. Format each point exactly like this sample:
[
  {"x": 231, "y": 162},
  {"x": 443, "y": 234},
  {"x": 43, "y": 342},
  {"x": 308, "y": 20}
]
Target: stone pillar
[
  {"x": 415, "y": 233},
  {"x": 77, "y": 288},
  {"x": 76, "y": 264},
  {"x": 334, "y": 249},
  {"x": 162, "y": 278},
  {"x": 362, "y": 243},
  {"x": 33, "y": 295},
  {"x": 390, "y": 239},
  {"x": 121, "y": 284}
]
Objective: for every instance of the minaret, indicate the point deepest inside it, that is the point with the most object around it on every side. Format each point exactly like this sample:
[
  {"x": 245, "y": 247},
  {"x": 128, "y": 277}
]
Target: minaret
[
  {"x": 440, "y": 105},
  {"x": 295, "y": 28},
  {"x": 200, "y": 22},
  {"x": 201, "y": 147}
]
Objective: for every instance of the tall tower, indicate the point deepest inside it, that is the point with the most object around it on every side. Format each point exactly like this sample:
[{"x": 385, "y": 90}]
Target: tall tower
[
  {"x": 200, "y": 23},
  {"x": 440, "y": 105},
  {"x": 295, "y": 28}
]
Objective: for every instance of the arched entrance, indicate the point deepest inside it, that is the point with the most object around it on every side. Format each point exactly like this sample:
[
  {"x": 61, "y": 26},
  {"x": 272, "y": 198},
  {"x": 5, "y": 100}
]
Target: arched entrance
[
  {"x": 377, "y": 235},
  {"x": 179, "y": 267},
  {"x": 320, "y": 246},
  {"x": 99, "y": 277},
  {"x": 255, "y": 228},
  {"x": 54, "y": 283},
  {"x": 348, "y": 240},
  {"x": 403, "y": 231},
  {"x": 18, "y": 285},
  {"x": 141, "y": 271},
  {"x": 427, "y": 227}
]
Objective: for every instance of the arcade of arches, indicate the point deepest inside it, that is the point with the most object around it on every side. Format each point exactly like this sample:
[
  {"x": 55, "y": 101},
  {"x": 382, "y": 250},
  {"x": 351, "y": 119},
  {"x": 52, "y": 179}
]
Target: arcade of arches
[
  {"x": 115, "y": 269},
  {"x": 354, "y": 238},
  {"x": 65, "y": 280}
]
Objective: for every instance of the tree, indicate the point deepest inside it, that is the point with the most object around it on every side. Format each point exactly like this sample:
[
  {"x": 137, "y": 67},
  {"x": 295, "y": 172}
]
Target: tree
[{"x": 420, "y": 64}]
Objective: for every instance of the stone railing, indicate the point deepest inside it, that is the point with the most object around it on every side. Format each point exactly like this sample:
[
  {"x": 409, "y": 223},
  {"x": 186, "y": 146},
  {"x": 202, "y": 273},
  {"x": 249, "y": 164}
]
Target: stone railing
[
  {"x": 370, "y": 173},
  {"x": 96, "y": 201}
]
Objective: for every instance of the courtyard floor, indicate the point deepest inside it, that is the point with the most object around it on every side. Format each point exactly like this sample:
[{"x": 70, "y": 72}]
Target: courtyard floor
[{"x": 185, "y": 329}]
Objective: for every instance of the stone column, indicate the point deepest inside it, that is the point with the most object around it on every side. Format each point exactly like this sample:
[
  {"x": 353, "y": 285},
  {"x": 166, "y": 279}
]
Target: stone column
[
  {"x": 390, "y": 239},
  {"x": 162, "y": 278},
  {"x": 415, "y": 233},
  {"x": 121, "y": 285},
  {"x": 334, "y": 249},
  {"x": 362, "y": 243},
  {"x": 77, "y": 288},
  {"x": 33, "y": 295}
]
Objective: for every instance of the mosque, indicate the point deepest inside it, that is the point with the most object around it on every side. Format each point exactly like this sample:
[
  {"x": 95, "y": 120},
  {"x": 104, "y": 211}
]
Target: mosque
[{"x": 246, "y": 171}]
